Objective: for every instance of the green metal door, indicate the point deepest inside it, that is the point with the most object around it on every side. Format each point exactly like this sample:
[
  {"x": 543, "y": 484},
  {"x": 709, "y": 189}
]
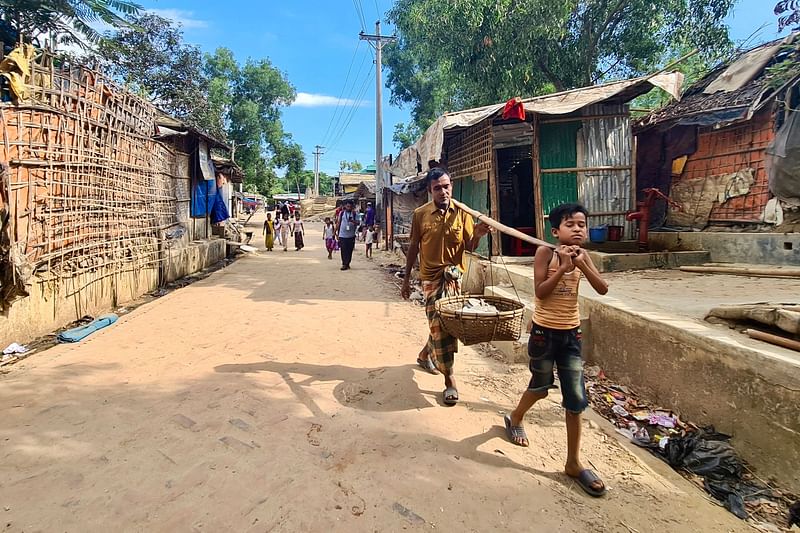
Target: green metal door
[{"x": 558, "y": 149}]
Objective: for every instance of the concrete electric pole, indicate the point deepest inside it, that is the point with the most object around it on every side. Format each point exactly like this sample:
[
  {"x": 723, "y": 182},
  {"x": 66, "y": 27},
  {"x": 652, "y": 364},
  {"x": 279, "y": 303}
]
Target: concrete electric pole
[
  {"x": 378, "y": 40},
  {"x": 318, "y": 152}
]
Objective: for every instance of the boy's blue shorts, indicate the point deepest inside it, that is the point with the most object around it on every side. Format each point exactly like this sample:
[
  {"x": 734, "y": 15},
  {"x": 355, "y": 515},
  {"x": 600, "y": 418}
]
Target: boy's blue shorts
[{"x": 561, "y": 348}]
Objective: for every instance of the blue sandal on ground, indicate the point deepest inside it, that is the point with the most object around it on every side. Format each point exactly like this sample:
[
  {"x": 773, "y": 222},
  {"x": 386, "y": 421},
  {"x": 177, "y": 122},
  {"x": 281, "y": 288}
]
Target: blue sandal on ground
[
  {"x": 515, "y": 432},
  {"x": 585, "y": 480}
]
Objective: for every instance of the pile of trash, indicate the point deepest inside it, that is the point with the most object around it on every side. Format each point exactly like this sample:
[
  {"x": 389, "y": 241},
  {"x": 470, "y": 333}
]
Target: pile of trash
[{"x": 703, "y": 455}]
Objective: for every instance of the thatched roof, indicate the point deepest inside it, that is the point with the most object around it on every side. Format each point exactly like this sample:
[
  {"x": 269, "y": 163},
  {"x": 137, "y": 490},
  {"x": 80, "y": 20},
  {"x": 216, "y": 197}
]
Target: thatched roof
[{"x": 732, "y": 91}]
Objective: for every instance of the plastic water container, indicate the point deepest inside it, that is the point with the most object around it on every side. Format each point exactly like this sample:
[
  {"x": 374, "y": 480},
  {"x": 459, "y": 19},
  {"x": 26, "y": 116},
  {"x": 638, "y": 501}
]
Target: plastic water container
[
  {"x": 598, "y": 233},
  {"x": 615, "y": 233}
]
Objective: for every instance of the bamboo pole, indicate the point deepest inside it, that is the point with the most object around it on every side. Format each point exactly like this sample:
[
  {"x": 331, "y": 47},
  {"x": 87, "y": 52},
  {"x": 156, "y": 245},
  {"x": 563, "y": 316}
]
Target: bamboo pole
[
  {"x": 777, "y": 340},
  {"x": 502, "y": 228},
  {"x": 745, "y": 271}
]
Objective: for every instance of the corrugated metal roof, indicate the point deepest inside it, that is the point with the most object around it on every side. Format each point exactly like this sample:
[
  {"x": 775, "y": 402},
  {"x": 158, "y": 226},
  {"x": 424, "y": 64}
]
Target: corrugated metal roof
[{"x": 429, "y": 146}]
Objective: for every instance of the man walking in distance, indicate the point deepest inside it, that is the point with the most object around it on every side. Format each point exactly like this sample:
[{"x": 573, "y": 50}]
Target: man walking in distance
[
  {"x": 440, "y": 234},
  {"x": 346, "y": 227}
]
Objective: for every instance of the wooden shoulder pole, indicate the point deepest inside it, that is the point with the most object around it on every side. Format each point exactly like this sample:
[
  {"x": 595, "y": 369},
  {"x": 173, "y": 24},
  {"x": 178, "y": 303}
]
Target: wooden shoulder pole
[{"x": 502, "y": 228}]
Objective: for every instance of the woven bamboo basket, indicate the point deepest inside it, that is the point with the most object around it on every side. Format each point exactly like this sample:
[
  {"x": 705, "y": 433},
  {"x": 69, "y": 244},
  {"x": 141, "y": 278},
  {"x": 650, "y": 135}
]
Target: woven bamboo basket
[{"x": 472, "y": 328}]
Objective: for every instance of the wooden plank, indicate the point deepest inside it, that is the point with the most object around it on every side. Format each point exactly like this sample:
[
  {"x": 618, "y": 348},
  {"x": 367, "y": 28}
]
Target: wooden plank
[
  {"x": 538, "y": 207},
  {"x": 494, "y": 202},
  {"x": 584, "y": 169},
  {"x": 745, "y": 271},
  {"x": 634, "y": 147},
  {"x": 587, "y": 117}
]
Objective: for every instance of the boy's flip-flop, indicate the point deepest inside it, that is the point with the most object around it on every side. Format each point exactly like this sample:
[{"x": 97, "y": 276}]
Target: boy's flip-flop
[
  {"x": 585, "y": 480},
  {"x": 450, "y": 396},
  {"x": 427, "y": 365},
  {"x": 515, "y": 432}
]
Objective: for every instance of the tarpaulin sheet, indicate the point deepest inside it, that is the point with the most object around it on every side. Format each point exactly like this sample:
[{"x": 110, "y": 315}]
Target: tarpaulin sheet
[
  {"x": 203, "y": 197},
  {"x": 429, "y": 146}
]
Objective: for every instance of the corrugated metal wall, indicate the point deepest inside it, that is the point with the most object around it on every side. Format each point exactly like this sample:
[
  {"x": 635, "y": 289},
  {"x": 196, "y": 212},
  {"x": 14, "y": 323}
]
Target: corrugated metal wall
[
  {"x": 606, "y": 142},
  {"x": 557, "y": 149}
]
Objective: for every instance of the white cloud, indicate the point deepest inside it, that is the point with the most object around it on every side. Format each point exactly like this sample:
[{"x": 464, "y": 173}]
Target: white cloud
[
  {"x": 184, "y": 18},
  {"x": 322, "y": 100}
]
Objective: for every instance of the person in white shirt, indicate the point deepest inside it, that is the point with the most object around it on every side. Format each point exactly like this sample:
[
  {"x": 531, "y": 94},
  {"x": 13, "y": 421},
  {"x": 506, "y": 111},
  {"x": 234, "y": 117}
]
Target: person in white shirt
[
  {"x": 329, "y": 236},
  {"x": 369, "y": 238}
]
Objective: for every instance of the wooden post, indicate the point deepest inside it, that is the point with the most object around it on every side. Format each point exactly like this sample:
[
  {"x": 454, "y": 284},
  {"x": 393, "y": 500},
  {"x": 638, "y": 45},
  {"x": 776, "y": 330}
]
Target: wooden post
[
  {"x": 634, "y": 195},
  {"x": 494, "y": 203},
  {"x": 538, "y": 208}
]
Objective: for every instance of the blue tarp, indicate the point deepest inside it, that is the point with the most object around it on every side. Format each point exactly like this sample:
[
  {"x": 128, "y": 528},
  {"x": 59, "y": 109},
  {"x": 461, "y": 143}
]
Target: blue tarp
[
  {"x": 78, "y": 334},
  {"x": 220, "y": 211},
  {"x": 203, "y": 197}
]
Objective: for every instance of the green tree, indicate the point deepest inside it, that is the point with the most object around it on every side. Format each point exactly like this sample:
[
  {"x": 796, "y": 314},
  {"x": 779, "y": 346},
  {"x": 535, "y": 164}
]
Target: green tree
[
  {"x": 65, "y": 21},
  {"x": 245, "y": 103},
  {"x": 150, "y": 57},
  {"x": 465, "y": 53},
  {"x": 351, "y": 166}
]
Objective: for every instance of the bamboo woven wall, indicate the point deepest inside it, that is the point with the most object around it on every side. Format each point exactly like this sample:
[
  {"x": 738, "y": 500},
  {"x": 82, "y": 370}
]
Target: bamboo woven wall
[
  {"x": 86, "y": 185},
  {"x": 470, "y": 153}
]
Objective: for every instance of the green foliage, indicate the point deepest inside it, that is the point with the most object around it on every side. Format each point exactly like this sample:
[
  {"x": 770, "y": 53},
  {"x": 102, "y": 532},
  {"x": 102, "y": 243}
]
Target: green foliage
[
  {"x": 406, "y": 134},
  {"x": 150, "y": 57},
  {"x": 305, "y": 180},
  {"x": 351, "y": 166},
  {"x": 245, "y": 102},
  {"x": 466, "y": 53},
  {"x": 68, "y": 21}
]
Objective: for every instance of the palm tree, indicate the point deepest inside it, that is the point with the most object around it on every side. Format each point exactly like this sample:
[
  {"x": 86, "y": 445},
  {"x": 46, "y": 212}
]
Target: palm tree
[{"x": 64, "y": 21}]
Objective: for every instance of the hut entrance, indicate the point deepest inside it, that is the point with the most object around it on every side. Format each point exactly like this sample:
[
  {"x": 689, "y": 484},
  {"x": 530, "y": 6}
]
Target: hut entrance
[{"x": 515, "y": 193}]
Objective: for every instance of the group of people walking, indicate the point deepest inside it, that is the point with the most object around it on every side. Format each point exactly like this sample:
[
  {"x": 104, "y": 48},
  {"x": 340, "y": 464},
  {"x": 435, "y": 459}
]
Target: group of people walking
[
  {"x": 282, "y": 227},
  {"x": 340, "y": 233}
]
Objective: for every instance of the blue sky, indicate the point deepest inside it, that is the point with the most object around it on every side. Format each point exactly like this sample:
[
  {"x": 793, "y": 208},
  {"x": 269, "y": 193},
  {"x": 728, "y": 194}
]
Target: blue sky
[{"x": 315, "y": 43}]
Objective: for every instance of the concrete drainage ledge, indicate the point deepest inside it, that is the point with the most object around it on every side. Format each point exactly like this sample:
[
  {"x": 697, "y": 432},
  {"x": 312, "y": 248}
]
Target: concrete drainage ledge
[{"x": 708, "y": 376}]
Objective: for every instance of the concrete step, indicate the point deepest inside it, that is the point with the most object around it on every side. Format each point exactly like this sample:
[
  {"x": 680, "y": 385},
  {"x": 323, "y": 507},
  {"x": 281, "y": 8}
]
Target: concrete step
[{"x": 616, "y": 262}]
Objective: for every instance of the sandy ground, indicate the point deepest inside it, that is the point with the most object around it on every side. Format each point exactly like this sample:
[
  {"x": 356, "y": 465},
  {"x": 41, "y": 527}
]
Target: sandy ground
[{"x": 280, "y": 394}]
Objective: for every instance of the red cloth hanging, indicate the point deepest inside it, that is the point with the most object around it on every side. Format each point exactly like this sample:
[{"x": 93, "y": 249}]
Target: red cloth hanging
[{"x": 514, "y": 109}]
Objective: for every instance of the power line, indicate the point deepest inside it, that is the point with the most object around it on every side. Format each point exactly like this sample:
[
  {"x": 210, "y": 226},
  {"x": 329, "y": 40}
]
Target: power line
[
  {"x": 360, "y": 13},
  {"x": 349, "y": 99},
  {"x": 356, "y": 103},
  {"x": 341, "y": 94}
]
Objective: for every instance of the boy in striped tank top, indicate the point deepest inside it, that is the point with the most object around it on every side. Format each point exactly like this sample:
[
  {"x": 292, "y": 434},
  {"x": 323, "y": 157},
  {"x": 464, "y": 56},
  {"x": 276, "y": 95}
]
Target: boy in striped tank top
[{"x": 556, "y": 335}]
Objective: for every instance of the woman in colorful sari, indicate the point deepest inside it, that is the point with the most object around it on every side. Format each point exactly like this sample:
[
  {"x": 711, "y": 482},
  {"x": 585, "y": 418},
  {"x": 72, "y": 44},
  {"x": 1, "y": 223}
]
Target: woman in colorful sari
[{"x": 269, "y": 232}]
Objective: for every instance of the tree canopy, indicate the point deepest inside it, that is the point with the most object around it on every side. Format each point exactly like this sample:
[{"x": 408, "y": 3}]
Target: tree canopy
[
  {"x": 238, "y": 103},
  {"x": 67, "y": 21},
  {"x": 465, "y": 53},
  {"x": 351, "y": 166}
]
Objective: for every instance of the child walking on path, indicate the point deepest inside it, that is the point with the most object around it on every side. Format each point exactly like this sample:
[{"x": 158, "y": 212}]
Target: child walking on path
[
  {"x": 369, "y": 239},
  {"x": 285, "y": 231},
  {"x": 328, "y": 235},
  {"x": 269, "y": 232},
  {"x": 556, "y": 336},
  {"x": 278, "y": 224},
  {"x": 299, "y": 231}
]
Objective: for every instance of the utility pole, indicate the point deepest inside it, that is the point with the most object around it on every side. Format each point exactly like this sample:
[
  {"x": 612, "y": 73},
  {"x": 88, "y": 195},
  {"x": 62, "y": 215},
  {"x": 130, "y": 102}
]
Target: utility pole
[
  {"x": 378, "y": 41},
  {"x": 318, "y": 152}
]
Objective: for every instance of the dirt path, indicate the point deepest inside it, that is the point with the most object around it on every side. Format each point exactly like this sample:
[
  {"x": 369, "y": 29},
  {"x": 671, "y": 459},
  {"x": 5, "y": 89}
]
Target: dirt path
[{"x": 280, "y": 394}]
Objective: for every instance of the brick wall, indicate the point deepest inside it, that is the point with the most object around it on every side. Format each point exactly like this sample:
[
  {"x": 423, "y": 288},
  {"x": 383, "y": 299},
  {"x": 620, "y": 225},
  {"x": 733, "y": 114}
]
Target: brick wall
[{"x": 729, "y": 150}]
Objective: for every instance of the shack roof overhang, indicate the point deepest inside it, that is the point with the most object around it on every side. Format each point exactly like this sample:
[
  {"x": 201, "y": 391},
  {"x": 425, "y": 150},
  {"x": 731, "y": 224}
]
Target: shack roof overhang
[
  {"x": 167, "y": 126},
  {"x": 429, "y": 146},
  {"x": 730, "y": 93},
  {"x": 228, "y": 168}
]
